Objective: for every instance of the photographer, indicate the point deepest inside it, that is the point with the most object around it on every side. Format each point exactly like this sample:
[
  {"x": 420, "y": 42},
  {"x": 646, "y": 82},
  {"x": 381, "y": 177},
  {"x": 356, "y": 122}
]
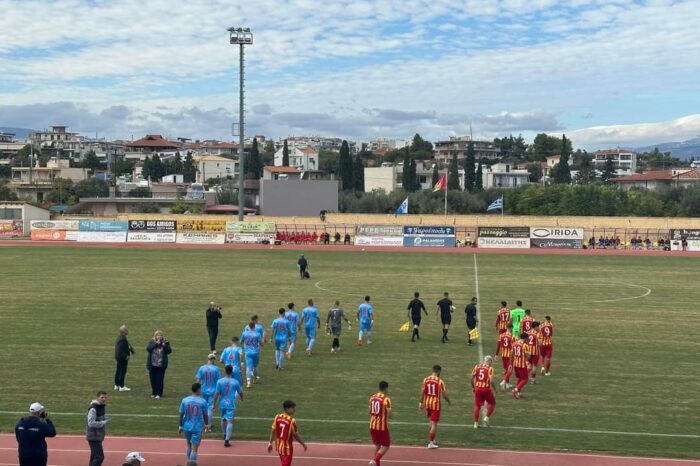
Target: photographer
[
  {"x": 158, "y": 350},
  {"x": 31, "y": 432}
]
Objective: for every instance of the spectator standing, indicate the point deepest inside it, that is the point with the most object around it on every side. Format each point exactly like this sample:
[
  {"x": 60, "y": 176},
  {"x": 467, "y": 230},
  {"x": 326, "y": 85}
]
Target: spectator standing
[
  {"x": 158, "y": 350},
  {"x": 414, "y": 309},
  {"x": 334, "y": 324},
  {"x": 96, "y": 428},
  {"x": 472, "y": 320},
  {"x": 31, "y": 432},
  {"x": 133, "y": 459},
  {"x": 213, "y": 315},
  {"x": 122, "y": 352},
  {"x": 303, "y": 266}
]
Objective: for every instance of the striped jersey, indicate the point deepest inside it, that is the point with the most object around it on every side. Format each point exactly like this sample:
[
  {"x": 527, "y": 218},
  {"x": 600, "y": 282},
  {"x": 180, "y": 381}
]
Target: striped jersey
[
  {"x": 526, "y": 323},
  {"x": 533, "y": 337},
  {"x": 505, "y": 344},
  {"x": 284, "y": 426},
  {"x": 433, "y": 388},
  {"x": 518, "y": 356},
  {"x": 502, "y": 318},
  {"x": 379, "y": 406},
  {"x": 482, "y": 375},
  {"x": 546, "y": 331}
]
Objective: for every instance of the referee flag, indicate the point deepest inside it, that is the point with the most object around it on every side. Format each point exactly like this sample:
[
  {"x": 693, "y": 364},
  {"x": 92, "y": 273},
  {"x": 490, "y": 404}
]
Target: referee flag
[
  {"x": 404, "y": 327},
  {"x": 474, "y": 333}
]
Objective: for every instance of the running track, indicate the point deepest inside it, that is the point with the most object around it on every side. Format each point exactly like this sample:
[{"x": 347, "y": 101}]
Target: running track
[{"x": 67, "y": 450}]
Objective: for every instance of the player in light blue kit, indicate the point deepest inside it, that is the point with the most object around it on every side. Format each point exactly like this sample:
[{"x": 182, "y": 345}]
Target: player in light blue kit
[
  {"x": 280, "y": 334},
  {"x": 227, "y": 390},
  {"x": 193, "y": 418},
  {"x": 293, "y": 317},
  {"x": 207, "y": 376},
  {"x": 233, "y": 356},
  {"x": 251, "y": 343},
  {"x": 365, "y": 314},
  {"x": 311, "y": 321}
]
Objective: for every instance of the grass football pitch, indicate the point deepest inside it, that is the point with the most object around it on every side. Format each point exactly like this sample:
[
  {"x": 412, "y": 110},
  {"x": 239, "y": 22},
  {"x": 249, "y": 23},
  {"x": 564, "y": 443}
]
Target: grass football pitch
[{"x": 624, "y": 374}]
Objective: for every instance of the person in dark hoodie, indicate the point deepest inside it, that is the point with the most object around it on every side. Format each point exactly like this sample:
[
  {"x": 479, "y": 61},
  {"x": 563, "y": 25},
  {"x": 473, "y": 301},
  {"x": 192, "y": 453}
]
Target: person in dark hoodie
[
  {"x": 96, "y": 427},
  {"x": 31, "y": 432}
]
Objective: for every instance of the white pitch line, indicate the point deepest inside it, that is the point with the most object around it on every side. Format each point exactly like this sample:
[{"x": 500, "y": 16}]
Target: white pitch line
[
  {"x": 648, "y": 292},
  {"x": 479, "y": 343}
]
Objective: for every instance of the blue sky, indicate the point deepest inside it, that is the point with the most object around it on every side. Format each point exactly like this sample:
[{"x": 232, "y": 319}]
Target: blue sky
[{"x": 605, "y": 72}]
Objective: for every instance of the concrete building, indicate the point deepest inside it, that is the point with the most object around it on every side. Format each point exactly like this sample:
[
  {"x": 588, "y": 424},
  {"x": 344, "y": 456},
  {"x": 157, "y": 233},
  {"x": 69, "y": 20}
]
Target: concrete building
[
  {"x": 36, "y": 182},
  {"x": 298, "y": 197},
  {"x": 625, "y": 162},
  {"x": 390, "y": 144},
  {"x": 483, "y": 150},
  {"x": 301, "y": 157},
  {"x": 214, "y": 166},
  {"x": 390, "y": 177},
  {"x": 9, "y": 147},
  {"x": 151, "y": 143},
  {"x": 16, "y": 217},
  {"x": 58, "y": 139},
  {"x": 658, "y": 179},
  {"x": 503, "y": 175}
]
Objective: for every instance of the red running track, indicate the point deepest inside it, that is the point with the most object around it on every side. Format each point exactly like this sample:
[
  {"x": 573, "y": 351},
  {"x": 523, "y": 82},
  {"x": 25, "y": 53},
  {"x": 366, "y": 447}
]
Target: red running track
[{"x": 72, "y": 450}]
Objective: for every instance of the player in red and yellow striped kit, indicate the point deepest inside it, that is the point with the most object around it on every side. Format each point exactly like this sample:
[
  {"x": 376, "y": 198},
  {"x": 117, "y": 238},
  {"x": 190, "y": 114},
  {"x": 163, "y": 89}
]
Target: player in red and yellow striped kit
[
  {"x": 503, "y": 318},
  {"x": 521, "y": 365},
  {"x": 504, "y": 350},
  {"x": 527, "y": 321},
  {"x": 533, "y": 342},
  {"x": 482, "y": 385},
  {"x": 432, "y": 393},
  {"x": 379, "y": 413},
  {"x": 546, "y": 333},
  {"x": 284, "y": 432}
]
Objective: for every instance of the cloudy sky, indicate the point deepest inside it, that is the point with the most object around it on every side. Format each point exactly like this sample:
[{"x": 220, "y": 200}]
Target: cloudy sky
[{"x": 605, "y": 72}]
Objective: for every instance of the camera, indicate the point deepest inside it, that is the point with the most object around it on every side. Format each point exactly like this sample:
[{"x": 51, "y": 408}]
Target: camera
[{"x": 43, "y": 415}]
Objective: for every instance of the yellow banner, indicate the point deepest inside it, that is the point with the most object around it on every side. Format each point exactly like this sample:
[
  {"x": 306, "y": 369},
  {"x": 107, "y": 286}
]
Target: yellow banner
[{"x": 201, "y": 225}]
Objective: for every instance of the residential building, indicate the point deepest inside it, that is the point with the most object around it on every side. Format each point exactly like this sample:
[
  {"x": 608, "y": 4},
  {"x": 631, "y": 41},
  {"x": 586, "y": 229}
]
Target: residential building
[
  {"x": 483, "y": 150},
  {"x": 152, "y": 143},
  {"x": 9, "y": 147},
  {"x": 58, "y": 139},
  {"x": 220, "y": 148},
  {"x": 625, "y": 161},
  {"x": 390, "y": 144},
  {"x": 301, "y": 157},
  {"x": 214, "y": 166},
  {"x": 36, "y": 182},
  {"x": 390, "y": 177},
  {"x": 657, "y": 179},
  {"x": 503, "y": 175}
]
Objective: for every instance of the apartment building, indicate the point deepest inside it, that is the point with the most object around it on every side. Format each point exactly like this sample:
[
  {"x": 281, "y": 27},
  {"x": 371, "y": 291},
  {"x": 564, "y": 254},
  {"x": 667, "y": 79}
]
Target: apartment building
[{"x": 483, "y": 150}]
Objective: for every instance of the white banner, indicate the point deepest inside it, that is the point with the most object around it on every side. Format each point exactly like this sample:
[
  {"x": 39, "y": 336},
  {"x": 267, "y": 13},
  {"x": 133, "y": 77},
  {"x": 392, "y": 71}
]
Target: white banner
[
  {"x": 151, "y": 237},
  {"x": 378, "y": 240},
  {"x": 71, "y": 225},
  {"x": 100, "y": 236},
  {"x": 693, "y": 245},
  {"x": 73, "y": 235},
  {"x": 512, "y": 243},
  {"x": 200, "y": 238},
  {"x": 248, "y": 238},
  {"x": 556, "y": 233}
]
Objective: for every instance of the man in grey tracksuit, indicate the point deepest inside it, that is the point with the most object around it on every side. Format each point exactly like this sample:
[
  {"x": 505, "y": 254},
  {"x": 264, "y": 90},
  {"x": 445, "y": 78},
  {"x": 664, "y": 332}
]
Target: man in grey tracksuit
[{"x": 96, "y": 427}]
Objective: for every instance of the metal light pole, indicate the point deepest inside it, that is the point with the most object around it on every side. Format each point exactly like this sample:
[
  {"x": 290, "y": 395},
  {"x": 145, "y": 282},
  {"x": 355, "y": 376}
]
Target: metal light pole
[{"x": 241, "y": 36}]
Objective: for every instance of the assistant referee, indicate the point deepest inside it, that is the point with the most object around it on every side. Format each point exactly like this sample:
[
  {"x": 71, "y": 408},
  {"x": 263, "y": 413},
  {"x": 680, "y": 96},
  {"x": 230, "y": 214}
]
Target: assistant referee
[{"x": 414, "y": 308}]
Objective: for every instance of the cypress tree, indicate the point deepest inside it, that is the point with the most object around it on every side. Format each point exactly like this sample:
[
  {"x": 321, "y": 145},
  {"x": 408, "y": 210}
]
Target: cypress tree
[
  {"x": 359, "y": 177},
  {"x": 479, "y": 181},
  {"x": 469, "y": 162},
  {"x": 285, "y": 154},
  {"x": 436, "y": 175},
  {"x": 345, "y": 168},
  {"x": 453, "y": 177}
]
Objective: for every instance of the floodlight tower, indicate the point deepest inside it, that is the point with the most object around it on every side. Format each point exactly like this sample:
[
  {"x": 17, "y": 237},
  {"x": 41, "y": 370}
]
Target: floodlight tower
[{"x": 240, "y": 37}]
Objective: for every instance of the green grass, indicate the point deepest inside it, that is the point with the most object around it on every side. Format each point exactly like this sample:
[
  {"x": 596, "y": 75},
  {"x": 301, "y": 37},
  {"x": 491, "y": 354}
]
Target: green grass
[{"x": 624, "y": 365}]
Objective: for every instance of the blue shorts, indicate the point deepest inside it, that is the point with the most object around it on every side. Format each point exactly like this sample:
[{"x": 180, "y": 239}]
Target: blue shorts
[
  {"x": 195, "y": 438},
  {"x": 280, "y": 344},
  {"x": 252, "y": 360},
  {"x": 293, "y": 337},
  {"x": 209, "y": 399},
  {"x": 310, "y": 332},
  {"x": 227, "y": 414},
  {"x": 365, "y": 325},
  {"x": 237, "y": 376}
]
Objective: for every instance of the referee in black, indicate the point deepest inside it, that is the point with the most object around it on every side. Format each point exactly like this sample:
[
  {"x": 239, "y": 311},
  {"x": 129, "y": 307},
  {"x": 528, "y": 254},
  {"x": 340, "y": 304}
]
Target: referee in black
[
  {"x": 414, "y": 308},
  {"x": 472, "y": 320},
  {"x": 445, "y": 309}
]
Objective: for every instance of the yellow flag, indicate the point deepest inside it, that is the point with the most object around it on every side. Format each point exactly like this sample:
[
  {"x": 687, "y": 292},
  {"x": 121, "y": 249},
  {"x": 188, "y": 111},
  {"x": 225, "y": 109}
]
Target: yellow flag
[
  {"x": 404, "y": 327},
  {"x": 474, "y": 333}
]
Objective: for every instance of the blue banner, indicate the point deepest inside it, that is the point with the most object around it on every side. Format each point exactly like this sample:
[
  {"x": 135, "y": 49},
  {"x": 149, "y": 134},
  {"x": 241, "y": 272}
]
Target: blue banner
[
  {"x": 429, "y": 241},
  {"x": 423, "y": 230},
  {"x": 103, "y": 225}
]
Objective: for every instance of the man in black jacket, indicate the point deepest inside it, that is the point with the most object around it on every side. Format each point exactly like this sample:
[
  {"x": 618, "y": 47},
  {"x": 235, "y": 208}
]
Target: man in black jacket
[
  {"x": 31, "y": 432},
  {"x": 96, "y": 427},
  {"x": 122, "y": 352},
  {"x": 303, "y": 266},
  {"x": 472, "y": 320},
  {"x": 213, "y": 316}
]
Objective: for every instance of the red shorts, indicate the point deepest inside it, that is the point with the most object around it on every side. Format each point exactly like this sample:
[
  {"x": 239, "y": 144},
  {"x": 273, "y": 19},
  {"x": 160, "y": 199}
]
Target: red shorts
[
  {"x": 380, "y": 437},
  {"x": 433, "y": 414},
  {"x": 546, "y": 351},
  {"x": 505, "y": 362},
  {"x": 534, "y": 359},
  {"x": 502, "y": 330},
  {"x": 286, "y": 460},
  {"x": 521, "y": 373},
  {"x": 482, "y": 395}
]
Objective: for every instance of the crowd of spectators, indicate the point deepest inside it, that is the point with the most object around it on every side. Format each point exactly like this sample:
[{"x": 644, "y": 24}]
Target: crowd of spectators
[
  {"x": 609, "y": 242},
  {"x": 305, "y": 237}
]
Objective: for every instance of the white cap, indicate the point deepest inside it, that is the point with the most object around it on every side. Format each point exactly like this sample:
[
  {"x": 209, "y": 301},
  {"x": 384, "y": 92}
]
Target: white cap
[
  {"x": 212, "y": 356},
  {"x": 36, "y": 408},
  {"x": 135, "y": 455}
]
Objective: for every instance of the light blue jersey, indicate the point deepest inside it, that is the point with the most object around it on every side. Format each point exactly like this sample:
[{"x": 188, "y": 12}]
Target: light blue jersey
[
  {"x": 293, "y": 319},
  {"x": 261, "y": 331},
  {"x": 228, "y": 388},
  {"x": 251, "y": 340},
  {"x": 193, "y": 408},
  {"x": 309, "y": 315},
  {"x": 366, "y": 313},
  {"x": 231, "y": 356},
  {"x": 281, "y": 328},
  {"x": 208, "y": 375}
]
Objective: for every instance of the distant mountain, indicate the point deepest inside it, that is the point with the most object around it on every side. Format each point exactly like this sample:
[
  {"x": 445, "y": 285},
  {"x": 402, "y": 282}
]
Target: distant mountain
[
  {"x": 685, "y": 150},
  {"x": 20, "y": 133}
]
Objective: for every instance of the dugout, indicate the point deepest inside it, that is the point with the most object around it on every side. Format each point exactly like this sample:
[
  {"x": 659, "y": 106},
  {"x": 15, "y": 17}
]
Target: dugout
[{"x": 16, "y": 217}]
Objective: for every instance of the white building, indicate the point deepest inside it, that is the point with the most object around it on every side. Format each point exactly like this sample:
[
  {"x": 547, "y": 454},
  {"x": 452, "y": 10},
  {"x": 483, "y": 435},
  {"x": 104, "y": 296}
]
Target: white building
[
  {"x": 625, "y": 162},
  {"x": 389, "y": 177},
  {"x": 301, "y": 157},
  {"x": 504, "y": 175},
  {"x": 214, "y": 166}
]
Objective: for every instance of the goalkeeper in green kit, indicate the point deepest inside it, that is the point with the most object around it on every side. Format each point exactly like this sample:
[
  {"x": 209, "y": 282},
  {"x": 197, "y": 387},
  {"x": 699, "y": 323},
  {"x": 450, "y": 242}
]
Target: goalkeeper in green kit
[{"x": 516, "y": 315}]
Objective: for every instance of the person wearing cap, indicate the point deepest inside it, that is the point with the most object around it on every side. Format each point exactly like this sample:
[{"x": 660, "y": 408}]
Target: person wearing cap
[
  {"x": 31, "y": 432},
  {"x": 207, "y": 375},
  {"x": 213, "y": 315},
  {"x": 96, "y": 428},
  {"x": 134, "y": 459}
]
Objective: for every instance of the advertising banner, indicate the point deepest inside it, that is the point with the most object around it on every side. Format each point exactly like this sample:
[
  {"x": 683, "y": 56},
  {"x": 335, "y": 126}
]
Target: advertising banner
[
  {"x": 249, "y": 238},
  {"x": 10, "y": 228},
  {"x": 510, "y": 243},
  {"x": 379, "y": 230},
  {"x": 556, "y": 233},
  {"x": 102, "y": 225},
  {"x": 101, "y": 236},
  {"x": 152, "y": 225},
  {"x": 431, "y": 241},
  {"x": 689, "y": 234},
  {"x": 200, "y": 238},
  {"x": 202, "y": 225},
  {"x": 420, "y": 230},
  {"x": 556, "y": 243},
  {"x": 693, "y": 245},
  {"x": 73, "y": 236},
  {"x": 70, "y": 225},
  {"x": 151, "y": 237},
  {"x": 378, "y": 240},
  {"x": 48, "y": 235},
  {"x": 251, "y": 227},
  {"x": 504, "y": 232}
]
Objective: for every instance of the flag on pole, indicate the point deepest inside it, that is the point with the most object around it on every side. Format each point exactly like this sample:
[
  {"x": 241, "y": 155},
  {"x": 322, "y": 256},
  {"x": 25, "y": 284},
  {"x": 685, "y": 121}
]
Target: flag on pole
[
  {"x": 496, "y": 205},
  {"x": 440, "y": 185},
  {"x": 403, "y": 208}
]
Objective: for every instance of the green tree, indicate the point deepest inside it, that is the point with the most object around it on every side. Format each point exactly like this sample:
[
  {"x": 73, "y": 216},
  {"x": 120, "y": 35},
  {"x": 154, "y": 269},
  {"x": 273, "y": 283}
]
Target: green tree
[
  {"x": 359, "y": 175},
  {"x": 147, "y": 208},
  {"x": 544, "y": 146},
  {"x": 453, "y": 177},
  {"x": 21, "y": 158},
  {"x": 413, "y": 182},
  {"x": 608, "y": 170},
  {"x": 535, "y": 170},
  {"x": 123, "y": 167},
  {"x": 586, "y": 171},
  {"x": 395, "y": 155},
  {"x": 561, "y": 173},
  {"x": 420, "y": 148},
  {"x": 328, "y": 161},
  {"x": 406, "y": 180},
  {"x": 5, "y": 172},
  {"x": 91, "y": 162},
  {"x": 147, "y": 168},
  {"x": 177, "y": 167},
  {"x": 436, "y": 175},
  {"x": 188, "y": 169},
  {"x": 91, "y": 188},
  {"x": 268, "y": 155},
  {"x": 255, "y": 167},
  {"x": 479, "y": 182},
  {"x": 285, "y": 154},
  {"x": 469, "y": 163},
  {"x": 62, "y": 191},
  {"x": 157, "y": 168},
  {"x": 6, "y": 193},
  {"x": 345, "y": 168},
  {"x": 140, "y": 191}
]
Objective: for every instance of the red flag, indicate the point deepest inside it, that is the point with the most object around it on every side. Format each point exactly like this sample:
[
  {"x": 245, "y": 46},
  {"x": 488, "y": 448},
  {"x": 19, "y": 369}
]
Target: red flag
[{"x": 440, "y": 185}]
